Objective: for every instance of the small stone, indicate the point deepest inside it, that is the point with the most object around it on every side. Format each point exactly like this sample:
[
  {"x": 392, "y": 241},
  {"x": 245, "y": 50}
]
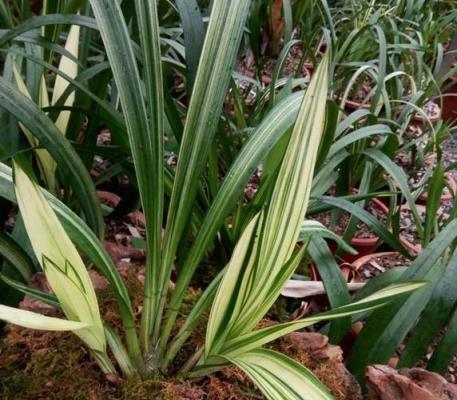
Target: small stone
[
  {"x": 113, "y": 379},
  {"x": 386, "y": 383}
]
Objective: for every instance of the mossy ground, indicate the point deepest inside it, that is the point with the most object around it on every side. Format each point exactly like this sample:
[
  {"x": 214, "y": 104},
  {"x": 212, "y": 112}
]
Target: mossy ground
[
  {"x": 46, "y": 366},
  {"x": 37, "y": 365}
]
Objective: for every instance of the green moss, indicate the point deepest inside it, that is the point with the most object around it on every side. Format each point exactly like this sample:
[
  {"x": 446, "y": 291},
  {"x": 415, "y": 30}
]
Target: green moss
[{"x": 37, "y": 365}]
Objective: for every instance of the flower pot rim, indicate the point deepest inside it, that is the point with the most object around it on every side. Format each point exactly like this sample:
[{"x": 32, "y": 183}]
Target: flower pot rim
[
  {"x": 358, "y": 241},
  {"x": 352, "y": 104},
  {"x": 452, "y": 185},
  {"x": 357, "y": 264}
]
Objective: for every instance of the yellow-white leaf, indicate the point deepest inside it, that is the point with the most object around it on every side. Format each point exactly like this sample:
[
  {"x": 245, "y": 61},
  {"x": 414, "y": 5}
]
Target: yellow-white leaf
[
  {"x": 220, "y": 311},
  {"x": 44, "y": 97},
  {"x": 259, "y": 265},
  {"x": 46, "y": 162},
  {"x": 61, "y": 262},
  {"x": 279, "y": 377},
  {"x": 29, "y": 319},
  {"x": 70, "y": 68}
]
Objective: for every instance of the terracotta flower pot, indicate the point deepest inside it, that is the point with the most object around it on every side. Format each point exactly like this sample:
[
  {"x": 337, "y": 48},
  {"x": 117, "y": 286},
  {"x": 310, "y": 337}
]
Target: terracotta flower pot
[
  {"x": 420, "y": 120},
  {"x": 349, "y": 339},
  {"x": 449, "y": 112},
  {"x": 357, "y": 264},
  {"x": 445, "y": 197},
  {"x": 346, "y": 270},
  {"x": 361, "y": 261},
  {"x": 310, "y": 67},
  {"x": 108, "y": 198},
  {"x": 413, "y": 249},
  {"x": 355, "y": 105},
  {"x": 363, "y": 246}
]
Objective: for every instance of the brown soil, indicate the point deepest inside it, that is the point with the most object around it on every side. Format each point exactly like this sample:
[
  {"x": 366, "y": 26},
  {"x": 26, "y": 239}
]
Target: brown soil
[
  {"x": 451, "y": 374},
  {"x": 415, "y": 175},
  {"x": 361, "y": 90},
  {"x": 431, "y": 110},
  {"x": 363, "y": 231},
  {"x": 449, "y": 148},
  {"x": 408, "y": 227},
  {"x": 378, "y": 265},
  {"x": 247, "y": 66}
]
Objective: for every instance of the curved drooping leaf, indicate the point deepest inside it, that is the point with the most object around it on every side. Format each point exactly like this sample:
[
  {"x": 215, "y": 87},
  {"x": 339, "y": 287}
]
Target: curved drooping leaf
[
  {"x": 60, "y": 261},
  {"x": 14, "y": 253},
  {"x": 334, "y": 282},
  {"x": 194, "y": 35},
  {"x": 84, "y": 238},
  {"x": 390, "y": 326},
  {"x": 32, "y": 320},
  {"x": 263, "y": 336},
  {"x": 35, "y": 293},
  {"x": 362, "y": 133},
  {"x": 279, "y": 377},
  {"x": 311, "y": 228},
  {"x": 36, "y": 121},
  {"x": 45, "y": 20},
  {"x": 377, "y": 226}
]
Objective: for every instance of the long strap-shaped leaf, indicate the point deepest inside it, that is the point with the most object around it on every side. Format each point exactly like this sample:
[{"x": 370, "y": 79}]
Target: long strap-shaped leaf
[
  {"x": 219, "y": 50},
  {"x": 253, "y": 340},
  {"x": 289, "y": 200},
  {"x": 145, "y": 136},
  {"x": 32, "y": 320},
  {"x": 152, "y": 66},
  {"x": 385, "y": 330},
  {"x": 279, "y": 377},
  {"x": 446, "y": 349},
  {"x": 194, "y": 35},
  {"x": 62, "y": 264},
  {"x": 16, "y": 255},
  {"x": 38, "y": 123},
  {"x": 434, "y": 317},
  {"x": 250, "y": 284},
  {"x": 263, "y": 336},
  {"x": 378, "y": 227},
  {"x": 334, "y": 282},
  {"x": 45, "y": 20},
  {"x": 261, "y": 141},
  {"x": 85, "y": 239}
]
